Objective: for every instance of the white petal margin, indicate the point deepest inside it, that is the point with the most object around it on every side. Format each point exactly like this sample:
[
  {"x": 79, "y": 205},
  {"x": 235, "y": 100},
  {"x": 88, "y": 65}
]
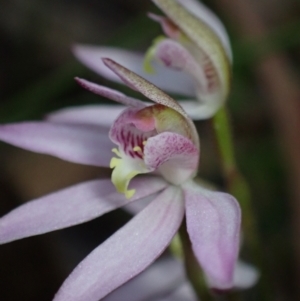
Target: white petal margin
[
  {"x": 201, "y": 11},
  {"x": 71, "y": 206},
  {"x": 213, "y": 224},
  {"x": 164, "y": 78},
  {"x": 245, "y": 275},
  {"x": 128, "y": 252},
  {"x": 100, "y": 115},
  {"x": 84, "y": 144}
]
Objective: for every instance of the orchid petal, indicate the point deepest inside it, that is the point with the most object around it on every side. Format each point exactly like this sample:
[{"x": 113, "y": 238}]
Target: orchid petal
[
  {"x": 245, "y": 275},
  {"x": 166, "y": 277},
  {"x": 140, "y": 84},
  {"x": 109, "y": 93},
  {"x": 135, "y": 207},
  {"x": 166, "y": 79},
  {"x": 162, "y": 277},
  {"x": 71, "y": 206},
  {"x": 202, "y": 12},
  {"x": 175, "y": 156},
  {"x": 100, "y": 115},
  {"x": 128, "y": 161},
  {"x": 183, "y": 293},
  {"x": 176, "y": 56},
  {"x": 115, "y": 261},
  {"x": 168, "y": 27},
  {"x": 207, "y": 85},
  {"x": 84, "y": 144},
  {"x": 150, "y": 91},
  {"x": 213, "y": 224},
  {"x": 203, "y": 37}
]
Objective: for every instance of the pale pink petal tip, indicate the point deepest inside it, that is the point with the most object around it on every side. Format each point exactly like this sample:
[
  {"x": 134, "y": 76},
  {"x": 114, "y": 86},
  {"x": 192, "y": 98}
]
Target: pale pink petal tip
[
  {"x": 99, "y": 115},
  {"x": 128, "y": 252},
  {"x": 84, "y": 144},
  {"x": 109, "y": 93},
  {"x": 213, "y": 224}
]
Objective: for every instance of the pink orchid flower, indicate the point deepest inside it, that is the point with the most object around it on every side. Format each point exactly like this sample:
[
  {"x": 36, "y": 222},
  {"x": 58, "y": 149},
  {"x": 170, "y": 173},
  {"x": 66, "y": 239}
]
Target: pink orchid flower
[
  {"x": 159, "y": 139},
  {"x": 196, "y": 44}
]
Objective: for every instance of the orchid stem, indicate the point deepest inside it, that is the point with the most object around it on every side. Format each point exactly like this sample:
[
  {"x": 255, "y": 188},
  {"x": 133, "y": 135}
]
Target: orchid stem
[
  {"x": 237, "y": 186},
  {"x": 235, "y": 182},
  {"x": 193, "y": 270}
]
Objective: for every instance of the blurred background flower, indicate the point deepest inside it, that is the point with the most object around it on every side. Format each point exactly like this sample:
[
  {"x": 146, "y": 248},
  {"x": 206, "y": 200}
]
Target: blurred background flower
[{"x": 36, "y": 77}]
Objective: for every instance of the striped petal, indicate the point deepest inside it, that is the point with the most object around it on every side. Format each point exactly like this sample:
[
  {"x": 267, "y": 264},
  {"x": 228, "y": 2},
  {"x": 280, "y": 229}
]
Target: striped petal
[
  {"x": 128, "y": 252},
  {"x": 71, "y": 206},
  {"x": 152, "y": 92}
]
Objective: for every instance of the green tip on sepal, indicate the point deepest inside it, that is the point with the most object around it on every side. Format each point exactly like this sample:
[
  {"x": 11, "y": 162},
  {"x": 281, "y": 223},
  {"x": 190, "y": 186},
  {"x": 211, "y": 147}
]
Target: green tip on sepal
[{"x": 150, "y": 55}]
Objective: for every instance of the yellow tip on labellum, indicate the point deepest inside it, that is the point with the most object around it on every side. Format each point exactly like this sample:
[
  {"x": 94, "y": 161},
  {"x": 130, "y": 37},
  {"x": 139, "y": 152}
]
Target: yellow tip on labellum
[
  {"x": 124, "y": 169},
  {"x": 137, "y": 149}
]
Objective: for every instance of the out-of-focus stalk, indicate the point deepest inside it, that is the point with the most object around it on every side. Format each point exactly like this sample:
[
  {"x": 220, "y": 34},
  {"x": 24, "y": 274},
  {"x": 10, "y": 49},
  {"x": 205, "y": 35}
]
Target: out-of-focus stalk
[
  {"x": 238, "y": 186},
  {"x": 193, "y": 270}
]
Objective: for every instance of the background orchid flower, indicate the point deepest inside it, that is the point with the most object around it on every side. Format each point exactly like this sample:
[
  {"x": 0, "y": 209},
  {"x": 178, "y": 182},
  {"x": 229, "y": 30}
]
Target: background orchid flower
[
  {"x": 197, "y": 45},
  {"x": 165, "y": 280},
  {"x": 158, "y": 138}
]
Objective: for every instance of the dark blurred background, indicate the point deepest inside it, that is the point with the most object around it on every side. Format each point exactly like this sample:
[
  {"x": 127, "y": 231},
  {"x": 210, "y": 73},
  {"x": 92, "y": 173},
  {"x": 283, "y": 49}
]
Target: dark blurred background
[{"x": 36, "y": 77}]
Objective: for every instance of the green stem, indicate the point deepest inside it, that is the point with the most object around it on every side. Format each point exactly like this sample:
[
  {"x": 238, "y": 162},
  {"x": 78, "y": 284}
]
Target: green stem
[
  {"x": 235, "y": 182},
  {"x": 237, "y": 186},
  {"x": 193, "y": 270}
]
